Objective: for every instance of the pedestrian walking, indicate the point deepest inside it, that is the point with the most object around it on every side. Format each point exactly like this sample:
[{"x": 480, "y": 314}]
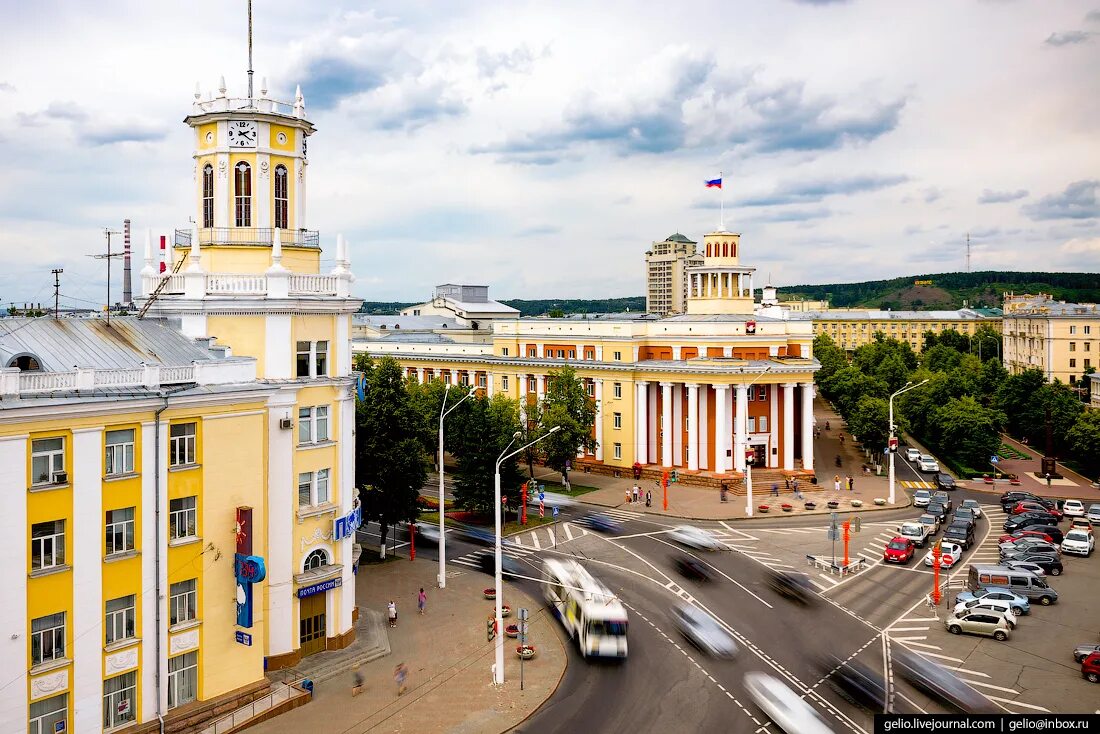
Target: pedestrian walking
[
  {"x": 648, "y": 498},
  {"x": 797, "y": 494},
  {"x": 842, "y": 439},
  {"x": 629, "y": 494},
  {"x": 400, "y": 675},
  {"x": 836, "y": 482},
  {"x": 775, "y": 489},
  {"x": 788, "y": 481},
  {"x": 356, "y": 681},
  {"x": 637, "y": 492},
  {"x": 851, "y": 484},
  {"x": 391, "y": 612},
  {"x": 421, "y": 600}
]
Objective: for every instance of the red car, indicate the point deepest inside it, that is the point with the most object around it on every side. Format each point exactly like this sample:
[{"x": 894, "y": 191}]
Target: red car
[
  {"x": 1022, "y": 507},
  {"x": 899, "y": 550},
  {"x": 1090, "y": 667},
  {"x": 1019, "y": 534}
]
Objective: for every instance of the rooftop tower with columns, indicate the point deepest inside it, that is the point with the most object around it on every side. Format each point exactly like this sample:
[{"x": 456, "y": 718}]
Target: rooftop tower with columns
[{"x": 721, "y": 285}]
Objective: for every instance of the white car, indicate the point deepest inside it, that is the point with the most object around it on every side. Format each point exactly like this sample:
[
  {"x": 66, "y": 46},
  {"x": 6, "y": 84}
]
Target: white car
[
  {"x": 1093, "y": 514},
  {"x": 912, "y": 454},
  {"x": 783, "y": 706},
  {"x": 1073, "y": 508},
  {"x": 704, "y": 632},
  {"x": 950, "y": 553},
  {"x": 973, "y": 505},
  {"x": 1078, "y": 542},
  {"x": 694, "y": 537},
  {"x": 998, "y": 606},
  {"x": 928, "y": 464},
  {"x": 921, "y": 498}
]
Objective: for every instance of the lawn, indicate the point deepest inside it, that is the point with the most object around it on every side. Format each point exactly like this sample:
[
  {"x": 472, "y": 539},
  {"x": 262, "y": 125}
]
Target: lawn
[
  {"x": 575, "y": 490},
  {"x": 533, "y": 521}
]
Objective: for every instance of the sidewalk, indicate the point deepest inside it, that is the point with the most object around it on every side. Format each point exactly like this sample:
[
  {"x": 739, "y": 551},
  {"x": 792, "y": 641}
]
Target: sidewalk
[
  {"x": 448, "y": 659},
  {"x": 1071, "y": 486}
]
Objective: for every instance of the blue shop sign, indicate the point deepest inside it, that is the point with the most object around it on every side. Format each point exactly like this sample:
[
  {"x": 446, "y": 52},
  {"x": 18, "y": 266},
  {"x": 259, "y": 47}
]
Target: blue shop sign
[
  {"x": 243, "y": 638},
  {"x": 321, "y": 587},
  {"x": 248, "y": 570},
  {"x": 345, "y": 526}
]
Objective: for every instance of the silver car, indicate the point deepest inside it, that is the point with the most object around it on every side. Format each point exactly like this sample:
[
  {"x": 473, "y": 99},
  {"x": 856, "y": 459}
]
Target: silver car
[
  {"x": 921, "y": 498},
  {"x": 1093, "y": 514},
  {"x": 974, "y": 622},
  {"x": 704, "y": 632},
  {"x": 783, "y": 706},
  {"x": 694, "y": 537},
  {"x": 972, "y": 505}
]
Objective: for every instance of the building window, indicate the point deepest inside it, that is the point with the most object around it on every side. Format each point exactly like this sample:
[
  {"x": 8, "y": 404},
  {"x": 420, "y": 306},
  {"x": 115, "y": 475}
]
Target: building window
[
  {"x": 590, "y": 388},
  {"x": 617, "y": 389},
  {"x": 761, "y": 392},
  {"x": 208, "y": 195},
  {"x": 1072, "y": 362},
  {"x": 447, "y": 377},
  {"x": 572, "y": 354},
  {"x": 313, "y": 488},
  {"x": 183, "y": 679},
  {"x": 48, "y": 638},
  {"x": 617, "y": 356},
  {"x": 302, "y": 359},
  {"x": 181, "y": 444},
  {"x": 481, "y": 380},
  {"x": 532, "y": 352},
  {"x": 1073, "y": 346},
  {"x": 618, "y": 451},
  {"x": 1072, "y": 329},
  {"x": 763, "y": 423},
  {"x": 1088, "y": 329},
  {"x": 311, "y": 356},
  {"x": 1088, "y": 363},
  {"x": 1088, "y": 346},
  {"x": 504, "y": 382},
  {"x": 320, "y": 360},
  {"x": 531, "y": 385},
  {"x": 183, "y": 602},
  {"x": 47, "y": 544},
  {"x": 120, "y": 530},
  {"x": 464, "y": 379},
  {"x": 618, "y": 420},
  {"x": 119, "y": 695},
  {"x": 50, "y": 715},
  {"x": 119, "y": 457},
  {"x": 182, "y": 518},
  {"x": 242, "y": 182},
  {"x": 119, "y": 621},
  {"x": 752, "y": 424},
  {"x": 316, "y": 559},
  {"x": 48, "y": 460},
  {"x": 752, "y": 393},
  {"x": 280, "y": 197},
  {"x": 313, "y": 424},
  {"x": 504, "y": 351}
]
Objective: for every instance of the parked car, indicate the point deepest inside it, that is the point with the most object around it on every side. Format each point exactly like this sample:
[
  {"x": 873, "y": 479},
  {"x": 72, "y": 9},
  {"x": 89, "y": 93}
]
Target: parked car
[
  {"x": 1081, "y": 523},
  {"x": 1027, "y": 519},
  {"x": 921, "y": 498},
  {"x": 912, "y": 454},
  {"x": 783, "y": 706},
  {"x": 1016, "y": 495},
  {"x": 1053, "y": 532},
  {"x": 794, "y": 586},
  {"x": 1025, "y": 506},
  {"x": 1093, "y": 514},
  {"x": 995, "y": 606},
  {"x": 928, "y": 464},
  {"x": 940, "y": 684},
  {"x": 944, "y": 499},
  {"x": 1020, "y": 603},
  {"x": 1023, "y": 583},
  {"x": 691, "y": 568},
  {"x": 1028, "y": 545},
  {"x": 1034, "y": 568},
  {"x": 1025, "y": 533},
  {"x": 937, "y": 510},
  {"x": 931, "y": 521},
  {"x": 1073, "y": 508},
  {"x": 1090, "y": 668},
  {"x": 961, "y": 533},
  {"x": 1083, "y": 651},
  {"x": 694, "y": 537},
  {"x": 950, "y": 553},
  {"x": 945, "y": 481},
  {"x": 856, "y": 682},
  {"x": 899, "y": 550},
  {"x": 978, "y": 623},
  {"x": 914, "y": 531},
  {"x": 972, "y": 505},
  {"x": 1047, "y": 561},
  {"x": 1079, "y": 543},
  {"x": 964, "y": 514},
  {"x": 703, "y": 631}
]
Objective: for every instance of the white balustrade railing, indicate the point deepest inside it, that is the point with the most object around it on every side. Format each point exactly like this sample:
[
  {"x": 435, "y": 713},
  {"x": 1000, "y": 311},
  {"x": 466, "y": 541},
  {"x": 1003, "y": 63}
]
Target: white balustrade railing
[
  {"x": 173, "y": 375},
  {"x": 46, "y": 381},
  {"x": 313, "y": 284},
  {"x": 245, "y": 284},
  {"x": 119, "y": 377},
  {"x": 232, "y": 370},
  {"x": 231, "y": 283}
]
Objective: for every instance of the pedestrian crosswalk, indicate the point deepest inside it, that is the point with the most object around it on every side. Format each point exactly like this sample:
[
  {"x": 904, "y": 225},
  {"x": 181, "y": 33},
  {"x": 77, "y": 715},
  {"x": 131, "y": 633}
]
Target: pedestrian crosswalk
[
  {"x": 910, "y": 484},
  {"x": 473, "y": 559}
]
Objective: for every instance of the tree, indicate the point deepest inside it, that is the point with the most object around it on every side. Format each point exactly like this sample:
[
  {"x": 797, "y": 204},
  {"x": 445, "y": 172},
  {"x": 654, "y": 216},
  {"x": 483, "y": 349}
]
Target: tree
[
  {"x": 967, "y": 431},
  {"x": 389, "y": 448},
  {"x": 568, "y": 406},
  {"x": 1084, "y": 441},
  {"x": 1056, "y": 401},
  {"x": 992, "y": 375},
  {"x": 870, "y": 422},
  {"x": 848, "y": 385},
  {"x": 830, "y": 356},
  {"x": 427, "y": 399},
  {"x": 556, "y": 313},
  {"x": 484, "y": 431},
  {"x": 941, "y": 358},
  {"x": 892, "y": 371},
  {"x": 1016, "y": 399}
]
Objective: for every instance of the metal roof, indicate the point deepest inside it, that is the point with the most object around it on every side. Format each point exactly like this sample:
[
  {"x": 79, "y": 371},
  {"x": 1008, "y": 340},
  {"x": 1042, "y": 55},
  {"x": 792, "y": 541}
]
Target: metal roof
[
  {"x": 412, "y": 323},
  {"x": 62, "y": 344},
  {"x": 962, "y": 314}
]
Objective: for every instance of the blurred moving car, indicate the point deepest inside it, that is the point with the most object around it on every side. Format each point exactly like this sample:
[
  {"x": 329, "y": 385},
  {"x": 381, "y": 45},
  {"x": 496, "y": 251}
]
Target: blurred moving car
[
  {"x": 508, "y": 566},
  {"x": 783, "y": 706},
  {"x": 474, "y": 534},
  {"x": 691, "y": 568},
  {"x": 427, "y": 532},
  {"x": 795, "y": 586},
  {"x": 603, "y": 524},
  {"x": 940, "y": 684},
  {"x": 1079, "y": 543},
  {"x": 551, "y": 499},
  {"x": 694, "y": 537},
  {"x": 856, "y": 682},
  {"x": 704, "y": 632}
]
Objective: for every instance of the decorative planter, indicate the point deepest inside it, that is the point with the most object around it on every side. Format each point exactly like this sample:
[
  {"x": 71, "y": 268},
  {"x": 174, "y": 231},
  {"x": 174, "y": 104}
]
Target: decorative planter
[
  {"x": 512, "y": 630},
  {"x": 525, "y": 651},
  {"x": 1014, "y": 481},
  {"x": 763, "y": 508},
  {"x": 786, "y": 507},
  {"x": 505, "y": 610},
  {"x": 880, "y": 501},
  {"x": 987, "y": 479},
  {"x": 490, "y": 593},
  {"x": 857, "y": 503},
  {"x": 833, "y": 504},
  {"x": 810, "y": 505}
]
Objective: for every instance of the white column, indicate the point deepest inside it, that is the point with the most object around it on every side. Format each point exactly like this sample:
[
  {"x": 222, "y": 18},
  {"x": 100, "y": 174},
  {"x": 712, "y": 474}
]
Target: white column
[
  {"x": 599, "y": 353},
  {"x": 773, "y": 402},
  {"x": 420, "y": 372},
  {"x": 262, "y": 191},
  {"x": 788, "y": 425},
  {"x": 489, "y": 384},
  {"x": 346, "y": 459},
  {"x": 343, "y": 345},
  {"x": 635, "y": 352},
  {"x": 693, "y": 427},
  {"x": 704, "y": 433},
  {"x": 281, "y": 488},
  {"x": 677, "y": 424},
  {"x": 599, "y": 419},
  {"x": 86, "y": 549},
  {"x": 727, "y": 352},
  {"x": 540, "y": 387},
  {"x": 13, "y": 602},
  {"x": 676, "y": 353},
  {"x": 278, "y": 347},
  {"x": 721, "y": 427},
  {"x": 641, "y": 418},
  {"x": 666, "y": 424},
  {"x": 740, "y": 426},
  {"x": 651, "y": 423},
  {"x": 223, "y": 188},
  {"x": 807, "y": 426}
]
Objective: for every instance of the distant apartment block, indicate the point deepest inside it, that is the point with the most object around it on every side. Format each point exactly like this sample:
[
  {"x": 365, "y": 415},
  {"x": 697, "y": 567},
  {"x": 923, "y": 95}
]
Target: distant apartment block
[
  {"x": 1061, "y": 339},
  {"x": 666, "y": 274}
]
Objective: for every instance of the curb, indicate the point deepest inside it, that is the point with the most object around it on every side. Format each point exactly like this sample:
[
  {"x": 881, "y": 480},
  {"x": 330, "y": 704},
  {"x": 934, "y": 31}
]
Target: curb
[
  {"x": 803, "y": 513},
  {"x": 557, "y": 685}
]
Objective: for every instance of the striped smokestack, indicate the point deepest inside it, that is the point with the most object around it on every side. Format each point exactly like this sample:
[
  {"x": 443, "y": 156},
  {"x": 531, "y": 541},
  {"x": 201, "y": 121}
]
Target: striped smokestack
[{"x": 127, "y": 294}]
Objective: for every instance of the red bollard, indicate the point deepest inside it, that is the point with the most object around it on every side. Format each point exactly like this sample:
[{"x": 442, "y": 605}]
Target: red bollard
[
  {"x": 664, "y": 486},
  {"x": 523, "y": 503},
  {"x": 412, "y": 541}
]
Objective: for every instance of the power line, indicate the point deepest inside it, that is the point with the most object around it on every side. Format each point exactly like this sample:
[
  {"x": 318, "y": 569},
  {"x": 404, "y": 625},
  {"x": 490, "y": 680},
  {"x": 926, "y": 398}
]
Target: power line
[{"x": 56, "y": 288}]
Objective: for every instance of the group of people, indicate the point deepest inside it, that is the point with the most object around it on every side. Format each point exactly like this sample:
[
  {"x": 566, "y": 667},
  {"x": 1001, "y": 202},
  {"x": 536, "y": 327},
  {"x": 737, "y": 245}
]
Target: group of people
[
  {"x": 792, "y": 484},
  {"x": 401, "y": 672},
  {"x": 838, "y": 483},
  {"x": 633, "y": 495}
]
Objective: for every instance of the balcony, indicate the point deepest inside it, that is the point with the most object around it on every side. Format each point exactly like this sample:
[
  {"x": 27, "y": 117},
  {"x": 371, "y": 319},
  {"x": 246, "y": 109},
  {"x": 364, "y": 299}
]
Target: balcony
[
  {"x": 14, "y": 383},
  {"x": 249, "y": 237},
  {"x": 246, "y": 284}
]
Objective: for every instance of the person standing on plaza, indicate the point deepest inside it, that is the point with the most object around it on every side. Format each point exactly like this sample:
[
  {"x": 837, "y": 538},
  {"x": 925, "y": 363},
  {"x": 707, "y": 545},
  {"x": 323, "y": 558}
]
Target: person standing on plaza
[
  {"x": 356, "y": 681},
  {"x": 391, "y": 612},
  {"x": 775, "y": 489},
  {"x": 637, "y": 493},
  {"x": 836, "y": 482},
  {"x": 851, "y": 484},
  {"x": 421, "y": 600}
]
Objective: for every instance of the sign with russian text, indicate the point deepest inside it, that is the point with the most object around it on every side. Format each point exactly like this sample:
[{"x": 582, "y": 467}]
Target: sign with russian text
[
  {"x": 344, "y": 527},
  {"x": 243, "y": 638},
  {"x": 248, "y": 570},
  {"x": 320, "y": 588}
]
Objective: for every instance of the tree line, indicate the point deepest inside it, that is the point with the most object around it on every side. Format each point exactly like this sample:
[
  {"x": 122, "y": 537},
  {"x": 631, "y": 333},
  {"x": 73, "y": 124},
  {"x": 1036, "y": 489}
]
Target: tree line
[
  {"x": 965, "y": 405},
  {"x": 396, "y": 438}
]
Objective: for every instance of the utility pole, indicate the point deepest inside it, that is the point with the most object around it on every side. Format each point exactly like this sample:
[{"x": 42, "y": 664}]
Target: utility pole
[
  {"x": 56, "y": 289},
  {"x": 108, "y": 232},
  {"x": 968, "y": 252}
]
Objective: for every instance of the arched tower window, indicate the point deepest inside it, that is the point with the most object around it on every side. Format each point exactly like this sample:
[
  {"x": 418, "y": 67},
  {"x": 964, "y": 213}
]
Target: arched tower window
[
  {"x": 280, "y": 197},
  {"x": 316, "y": 559},
  {"x": 208, "y": 195},
  {"x": 242, "y": 184}
]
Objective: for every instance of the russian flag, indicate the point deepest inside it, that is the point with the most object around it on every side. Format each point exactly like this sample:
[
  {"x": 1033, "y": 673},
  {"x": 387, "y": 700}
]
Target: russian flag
[{"x": 716, "y": 183}]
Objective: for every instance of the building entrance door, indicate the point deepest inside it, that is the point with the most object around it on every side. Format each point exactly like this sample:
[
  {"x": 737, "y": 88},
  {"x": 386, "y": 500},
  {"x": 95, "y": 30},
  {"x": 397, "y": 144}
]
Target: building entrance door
[{"x": 311, "y": 624}]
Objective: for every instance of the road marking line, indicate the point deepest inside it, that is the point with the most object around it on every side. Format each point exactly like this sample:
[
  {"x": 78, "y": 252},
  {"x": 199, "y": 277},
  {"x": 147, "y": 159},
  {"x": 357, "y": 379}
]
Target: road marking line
[
  {"x": 868, "y": 557},
  {"x": 819, "y": 585},
  {"x": 517, "y": 539},
  {"x": 957, "y": 669},
  {"x": 909, "y": 638},
  {"x": 778, "y": 565},
  {"x": 943, "y": 657},
  {"x": 739, "y": 532},
  {"x": 568, "y": 532},
  {"x": 535, "y": 541},
  {"x": 996, "y": 688},
  {"x": 830, "y": 580},
  {"x": 911, "y": 702},
  {"x": 919, "y": 619},
  {"x": 920, "y": 644},
  {"x": 907, "y": 629},
  {"x": 1018, "y": 703}
]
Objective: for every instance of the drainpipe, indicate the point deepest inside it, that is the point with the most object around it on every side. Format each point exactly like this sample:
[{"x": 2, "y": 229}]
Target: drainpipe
[{"x": 156, "y": 553}]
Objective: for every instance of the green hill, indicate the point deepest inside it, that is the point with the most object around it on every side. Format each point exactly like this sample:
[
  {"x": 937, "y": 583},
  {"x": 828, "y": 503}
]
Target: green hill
[{"x": 534, "y": 307}]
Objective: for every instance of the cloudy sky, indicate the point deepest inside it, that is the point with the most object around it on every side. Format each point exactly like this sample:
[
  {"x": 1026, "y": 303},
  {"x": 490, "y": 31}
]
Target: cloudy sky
[{"x": 540, "y": 147}]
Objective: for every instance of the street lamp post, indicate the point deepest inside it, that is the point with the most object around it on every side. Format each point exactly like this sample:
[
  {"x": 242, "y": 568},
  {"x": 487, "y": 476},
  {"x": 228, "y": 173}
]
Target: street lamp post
[
  {"x": 442, "y": 537},
  {"x": 498, "y": 669},
  {"x": 893, "y": 431},
  {"x": 742, "y": 452}
]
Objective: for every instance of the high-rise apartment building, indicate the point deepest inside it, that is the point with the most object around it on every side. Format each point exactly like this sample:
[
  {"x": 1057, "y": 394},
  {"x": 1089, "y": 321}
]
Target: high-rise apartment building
[
  {"x": 666, "y": 274},
  {"x": 1061, "y": 339}
]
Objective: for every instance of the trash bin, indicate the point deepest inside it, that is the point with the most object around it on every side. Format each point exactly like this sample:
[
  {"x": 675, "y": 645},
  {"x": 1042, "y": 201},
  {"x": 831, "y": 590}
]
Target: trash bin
[{"x": 307, "y": 686}]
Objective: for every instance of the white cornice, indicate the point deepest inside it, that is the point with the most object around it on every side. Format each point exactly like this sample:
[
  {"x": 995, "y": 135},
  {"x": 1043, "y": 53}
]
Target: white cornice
[
  {"x": 251, "y": 305},
  {"x": 117, "y": 405}
]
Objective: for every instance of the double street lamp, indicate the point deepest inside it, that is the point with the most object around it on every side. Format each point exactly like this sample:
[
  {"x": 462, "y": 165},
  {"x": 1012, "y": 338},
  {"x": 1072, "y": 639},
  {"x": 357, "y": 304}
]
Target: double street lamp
[
  {"x": 498, "y": 669},
  {"x": 891, "y": 447},
  {"x": 443, "y": 413},
  {"x": 742, "y": 450}
]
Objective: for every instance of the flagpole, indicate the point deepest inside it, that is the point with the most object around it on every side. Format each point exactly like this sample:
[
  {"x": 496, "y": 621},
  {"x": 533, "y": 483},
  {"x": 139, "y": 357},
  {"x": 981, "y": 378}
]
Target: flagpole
[{"x": 722, "y": 199}]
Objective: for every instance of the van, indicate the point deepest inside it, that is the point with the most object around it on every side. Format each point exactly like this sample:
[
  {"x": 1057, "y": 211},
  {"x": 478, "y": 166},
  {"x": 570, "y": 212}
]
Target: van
[{"x": 1023, "y": 583}]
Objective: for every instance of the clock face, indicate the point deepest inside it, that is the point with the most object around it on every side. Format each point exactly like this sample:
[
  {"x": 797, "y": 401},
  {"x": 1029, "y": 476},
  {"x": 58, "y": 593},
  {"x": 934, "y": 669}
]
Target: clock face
[
  {"x": 242, "y": 134},
  {"x": 281, "y": 138},
  {"x": 210, "y": 137}
]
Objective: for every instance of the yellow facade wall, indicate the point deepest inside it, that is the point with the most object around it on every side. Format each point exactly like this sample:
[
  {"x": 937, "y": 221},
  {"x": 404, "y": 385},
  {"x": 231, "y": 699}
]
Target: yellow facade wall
[{"x": 245, "y": 335}]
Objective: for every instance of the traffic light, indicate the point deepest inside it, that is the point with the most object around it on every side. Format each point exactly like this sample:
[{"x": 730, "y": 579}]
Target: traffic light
[{"x": 490, "y": 629}]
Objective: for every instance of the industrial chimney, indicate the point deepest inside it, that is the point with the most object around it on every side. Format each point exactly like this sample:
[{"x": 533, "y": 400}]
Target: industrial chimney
[{"x": 127, "y": 294}]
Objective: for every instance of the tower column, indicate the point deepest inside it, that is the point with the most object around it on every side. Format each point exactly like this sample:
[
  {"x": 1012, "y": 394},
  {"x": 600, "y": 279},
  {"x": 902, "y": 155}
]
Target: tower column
[
  {"x": 641, "y": 439},
  {"x": 666, "y": 424},
  {"x": 807, "y": 425},
  {"x": 740, "y": 427},
  {"x": 773, "y": 448},
  {"x": 704, "y": 433},
  {"x": 489, "y": 384},
  {"x": 599, "y": 419},
  {"x": 788, "y": 425},
  {"x": 677, "y": 424},
  {"x": 693, "y": 427},
  {"x": 721, "y": 427}
]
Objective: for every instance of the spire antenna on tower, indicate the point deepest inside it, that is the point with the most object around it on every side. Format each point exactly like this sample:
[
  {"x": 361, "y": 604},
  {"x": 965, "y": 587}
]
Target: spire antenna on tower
[
  {"x": 250, "y": 52},
  {"x": 968, "y": 252}
]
